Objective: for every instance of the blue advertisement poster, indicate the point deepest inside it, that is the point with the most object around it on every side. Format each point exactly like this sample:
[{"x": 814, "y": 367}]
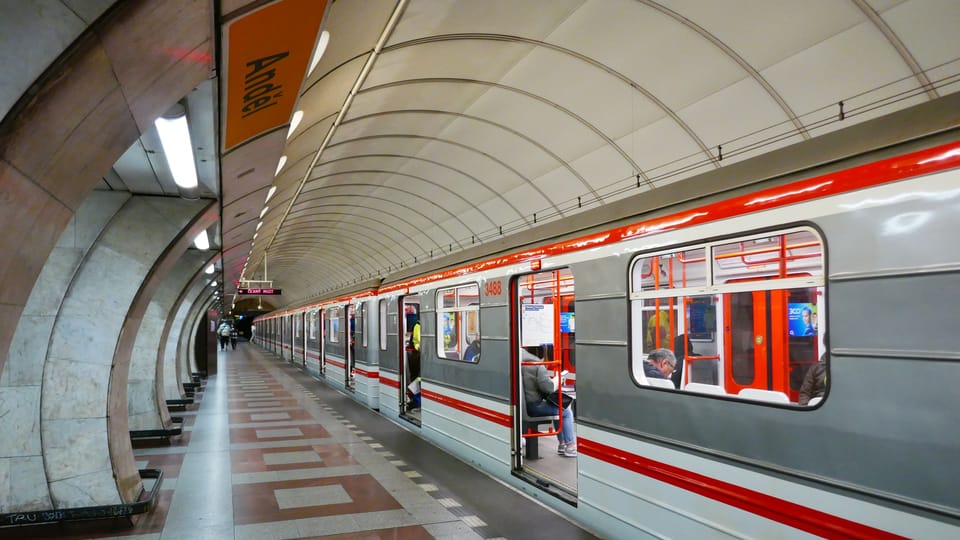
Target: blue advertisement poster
[
  {"x": 802, "y": 319},
  {"x": 567, "y": 322}
]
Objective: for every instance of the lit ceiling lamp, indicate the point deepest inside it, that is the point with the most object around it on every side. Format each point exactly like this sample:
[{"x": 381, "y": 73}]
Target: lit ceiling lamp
[
  {"x": 213, "y": 283},
  {"x": 175, "y": 139},
  {"x": 294, "y": 122},
  {"x": 318, "y": 52},
  {"x": 210, "y": 269},
  {"x": 264, "y": 211},
  {"x": 202, "y": 241},
  {"x": 259, "y": 225},
  {"x": 273, "y": 189},
  {"x": 283, "y": 161}
]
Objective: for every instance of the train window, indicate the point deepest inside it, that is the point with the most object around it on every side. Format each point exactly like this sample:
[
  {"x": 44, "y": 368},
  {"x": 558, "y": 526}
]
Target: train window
[
  {"x": 675, "y": 270},
  {"x": 383, "y": 325},
  {"x": 365, "y": 325},
  {"x": 334, "y": 315},
  {"x": 313, "y": 324},
  {"x": 458, "y": 321},
  {"x": 742, "y": 317},
  {"x": 548, "y": 318}
]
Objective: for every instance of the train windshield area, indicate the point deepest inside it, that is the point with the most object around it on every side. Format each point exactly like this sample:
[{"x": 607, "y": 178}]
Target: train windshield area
[
  {"x": 739, "y": 318},
  {"x": 545, "y": 326}
]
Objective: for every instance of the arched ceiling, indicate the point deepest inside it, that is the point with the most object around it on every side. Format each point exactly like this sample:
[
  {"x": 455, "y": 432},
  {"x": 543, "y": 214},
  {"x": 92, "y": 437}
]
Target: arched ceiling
[{"x": 430, "y": 126}]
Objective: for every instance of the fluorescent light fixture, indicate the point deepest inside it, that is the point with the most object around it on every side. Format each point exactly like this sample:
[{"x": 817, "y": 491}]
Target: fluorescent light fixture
[
  {"x": 264, "y": 211},
  {"x": 259, "y": 225},
  {"x": 175, "y": 139},
  {"x": 273, "y": 189},
  {"x": 202, "y": 242},
  {"x": 283, "y": 161},
  {"x": 294, "y": 122},
  {"x": 318, "y": 52},
  {"x": 210, "y": 269}
]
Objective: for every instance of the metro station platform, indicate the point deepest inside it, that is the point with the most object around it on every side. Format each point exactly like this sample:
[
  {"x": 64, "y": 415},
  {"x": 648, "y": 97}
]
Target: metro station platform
[{"x": 268, "y": 452}]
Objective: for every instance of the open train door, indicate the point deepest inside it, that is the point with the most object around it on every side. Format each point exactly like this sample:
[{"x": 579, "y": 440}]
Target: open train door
[
  {"x": 542, "y": 324},
  {"x": 409, "y": 367}
]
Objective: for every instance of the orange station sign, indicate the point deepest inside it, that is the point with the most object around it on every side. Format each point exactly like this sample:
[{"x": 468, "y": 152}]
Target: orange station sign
[{"x": 268, "y": 51}]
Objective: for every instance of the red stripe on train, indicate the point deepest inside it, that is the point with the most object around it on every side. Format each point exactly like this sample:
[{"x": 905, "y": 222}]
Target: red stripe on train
[
  {"x": 335, "y": 363},
  {"x": 389, "y": 382},
  {"x": 779, "y": 510},
  {"x": 493, "y": 416},
  {"x": 367, "y": 374},
  {"x": 927, "y": 161}
]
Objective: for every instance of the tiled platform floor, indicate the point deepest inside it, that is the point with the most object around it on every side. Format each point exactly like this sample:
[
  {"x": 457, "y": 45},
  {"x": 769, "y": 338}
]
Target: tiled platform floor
[{"x": 269, "y": 453}]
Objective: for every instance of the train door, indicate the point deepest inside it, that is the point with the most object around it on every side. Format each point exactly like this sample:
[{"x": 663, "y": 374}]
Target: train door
[
  {"x": 759, "y": 334},
  {"x": 350, "y": 365},
  {"x": 543, "y": 348},
  {"x": 410, "y": 349},
  {"x": 303, "y": 321},
  {"x": 322, "y": 342}
]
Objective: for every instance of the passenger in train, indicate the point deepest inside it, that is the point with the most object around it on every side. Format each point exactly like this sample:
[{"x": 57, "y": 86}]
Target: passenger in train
[
  {"x": 680, "y": 354},
  {"x": 472, "y": 354},
  {"x": 658, "y": 326},
  {"x": 537, "y": 385},
  {"x": 660, "y": 364},
  {"x": 815, "y": 381},
  {"x": 413, "y": 363}
]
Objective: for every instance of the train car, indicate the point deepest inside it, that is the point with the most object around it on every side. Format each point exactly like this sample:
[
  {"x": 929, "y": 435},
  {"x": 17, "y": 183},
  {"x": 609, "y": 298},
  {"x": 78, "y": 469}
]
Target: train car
[{"x": 775, "y": 360}]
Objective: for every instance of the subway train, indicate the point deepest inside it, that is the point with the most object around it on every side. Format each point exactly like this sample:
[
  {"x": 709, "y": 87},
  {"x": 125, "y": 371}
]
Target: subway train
[{"x": 841, "y": 279}]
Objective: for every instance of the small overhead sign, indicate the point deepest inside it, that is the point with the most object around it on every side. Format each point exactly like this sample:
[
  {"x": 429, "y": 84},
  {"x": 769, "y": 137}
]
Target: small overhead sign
[{"x": 248, "y": 290}]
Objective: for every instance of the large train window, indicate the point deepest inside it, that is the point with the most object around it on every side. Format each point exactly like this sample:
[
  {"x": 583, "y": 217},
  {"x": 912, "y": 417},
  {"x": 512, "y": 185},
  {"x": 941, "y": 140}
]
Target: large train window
[
  {"x": 742, "y": 317},
  {"x": 313, "y": 324},
  {"x": 383, "y": 325},
  {"x": 548, "y": 318},
  {"x": 365, "y": 328},
  {"x": 334, "y": 315},
  {"x": 458, "y": 321}
]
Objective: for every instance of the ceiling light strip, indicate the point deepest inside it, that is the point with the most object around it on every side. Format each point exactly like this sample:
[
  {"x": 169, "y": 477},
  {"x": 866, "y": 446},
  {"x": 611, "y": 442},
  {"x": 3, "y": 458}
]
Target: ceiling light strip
[{"x": 384, "y": 36}]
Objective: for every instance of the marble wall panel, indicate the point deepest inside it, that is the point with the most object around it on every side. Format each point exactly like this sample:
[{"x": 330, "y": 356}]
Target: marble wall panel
[
  {"x": 89, "y": 10},
  {"x": 46, "y": 27},
  {"x": 73, "y": 390},
  {"x": 74, "y": 447},
  {"x": 83, "y": 339},
  {"x": 19, "y": 492},
  {"x": 28, "y": 352},
  {"x": 20, "y": 411},
  {"x": 146, "y": 366},
  {"x": 93, "y": 489},
  {"x": 91, "y": 218}
]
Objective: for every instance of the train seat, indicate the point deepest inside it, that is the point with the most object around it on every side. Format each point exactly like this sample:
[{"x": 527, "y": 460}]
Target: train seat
[
  {"x": 705, "y": 388},
  {"x": 533, "y": 423},
  {"x": 770, "y": 396}
]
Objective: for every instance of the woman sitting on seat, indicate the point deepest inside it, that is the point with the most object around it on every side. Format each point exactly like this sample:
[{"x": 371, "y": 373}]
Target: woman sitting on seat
[{"x": 537, "y": 385}]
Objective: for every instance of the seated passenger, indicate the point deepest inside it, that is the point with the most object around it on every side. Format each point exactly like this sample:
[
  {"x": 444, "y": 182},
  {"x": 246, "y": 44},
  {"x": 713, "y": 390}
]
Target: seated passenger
[
  {"x": 472, "y": 354},
  {"x": 815, "y": 381},
  {"x": 660, "y": 364},
  {"x": 537, "y": 385}
]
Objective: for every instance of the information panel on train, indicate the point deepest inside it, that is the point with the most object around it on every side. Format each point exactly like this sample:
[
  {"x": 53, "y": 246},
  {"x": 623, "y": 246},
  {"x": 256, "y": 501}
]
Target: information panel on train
[{"x": 241, "y": 290}]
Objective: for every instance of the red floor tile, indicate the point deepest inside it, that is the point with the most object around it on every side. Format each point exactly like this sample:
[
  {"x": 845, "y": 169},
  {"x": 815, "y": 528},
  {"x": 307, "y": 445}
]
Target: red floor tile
[{"x": 256, "y": 503}]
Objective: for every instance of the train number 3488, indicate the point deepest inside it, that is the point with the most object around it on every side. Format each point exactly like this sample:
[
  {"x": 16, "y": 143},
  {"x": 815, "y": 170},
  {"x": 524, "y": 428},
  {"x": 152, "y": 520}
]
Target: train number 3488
[{"x": 493, "y": 288}]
